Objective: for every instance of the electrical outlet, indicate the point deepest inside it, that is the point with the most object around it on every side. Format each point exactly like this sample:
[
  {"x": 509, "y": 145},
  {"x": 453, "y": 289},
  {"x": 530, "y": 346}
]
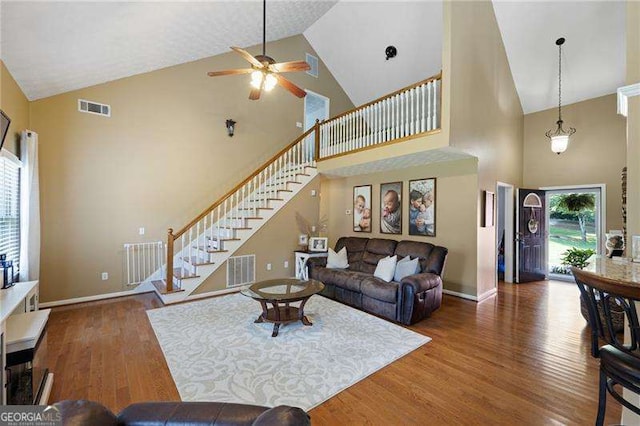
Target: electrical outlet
[
  {"x": 347, "y": 212},
  {"x": 314, "y": 192},
  {"x": 313, "y": 228},
  {"x": 105, "y": 276},
  {"x": 268, "y": 266},
  {"x": 141, "y": 231},
  {"x": 298, "y": 125},
  {"x": 286, "y": 264}
]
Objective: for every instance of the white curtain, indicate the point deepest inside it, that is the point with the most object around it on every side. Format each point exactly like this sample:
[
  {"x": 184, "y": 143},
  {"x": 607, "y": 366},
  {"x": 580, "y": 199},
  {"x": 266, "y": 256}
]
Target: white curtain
[{"x": 29, "y": 208}]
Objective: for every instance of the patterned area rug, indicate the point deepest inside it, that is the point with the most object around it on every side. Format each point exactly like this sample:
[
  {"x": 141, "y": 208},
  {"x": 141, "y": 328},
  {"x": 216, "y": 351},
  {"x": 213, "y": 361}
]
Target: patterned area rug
[{"x": 217, "y": 353}]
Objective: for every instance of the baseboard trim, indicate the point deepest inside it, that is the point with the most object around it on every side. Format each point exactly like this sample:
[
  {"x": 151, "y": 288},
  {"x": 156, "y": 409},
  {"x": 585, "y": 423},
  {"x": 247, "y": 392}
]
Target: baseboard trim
[
  {"x": 212, "y": 293},
  {"x": 90, "y": 298},
  {"x": 460, "y": 295},
  {"x": 487, "y": 294}
]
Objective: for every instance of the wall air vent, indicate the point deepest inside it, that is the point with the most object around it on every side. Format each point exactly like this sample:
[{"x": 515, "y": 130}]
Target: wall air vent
[
  {"x": 313, "y": 62},
  {"x": 94, "y": 108},
  {"x": 241, "y": 270}
]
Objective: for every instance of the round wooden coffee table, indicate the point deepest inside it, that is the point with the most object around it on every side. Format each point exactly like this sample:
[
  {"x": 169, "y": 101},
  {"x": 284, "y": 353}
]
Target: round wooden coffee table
[{"x": 280, "y": 293}]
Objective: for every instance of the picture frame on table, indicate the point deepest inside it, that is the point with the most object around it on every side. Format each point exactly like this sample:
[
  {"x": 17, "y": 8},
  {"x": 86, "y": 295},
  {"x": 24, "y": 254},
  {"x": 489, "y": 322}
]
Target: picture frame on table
[
  {"x": 362, "y": 208},
  {"x": 422, "y": 207},
  {"x": 318, "y": 244},
  {"x": 391, "y": 208}
]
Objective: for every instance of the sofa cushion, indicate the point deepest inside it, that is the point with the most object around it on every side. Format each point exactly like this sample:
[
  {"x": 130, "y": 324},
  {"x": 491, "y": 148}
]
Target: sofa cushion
[
  {"x": 380, "y": 290},
  {"x": 337, "y": 260},
  {"x": 355, "y": 248},
  {"x": 405, "y": 267},
  {"x": 83, "y": 412},
  {"x": 432, "y": 258},
  {"x": 386, "y": 268},
  {"x": 343, "y": 278},
  {"x": 283, "y": 415},
  {"x": 377, "y": 248}
]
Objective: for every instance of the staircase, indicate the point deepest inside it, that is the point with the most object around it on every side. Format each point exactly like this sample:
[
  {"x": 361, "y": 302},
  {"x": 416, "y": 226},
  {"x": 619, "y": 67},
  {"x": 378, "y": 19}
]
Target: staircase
[{"x": 201, "y": 247}]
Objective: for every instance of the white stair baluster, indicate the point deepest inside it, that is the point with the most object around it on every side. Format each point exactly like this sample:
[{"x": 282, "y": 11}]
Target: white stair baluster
[
  {"x": 383, "y": 123},
  {"x": 423, "y": 126},
  {"x": 436, "y": 106},
  {"x": 401, "y": 115}
]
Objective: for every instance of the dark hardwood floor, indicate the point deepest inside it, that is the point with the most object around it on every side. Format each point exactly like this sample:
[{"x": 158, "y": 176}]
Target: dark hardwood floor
[{"x": 521, "y": 357}]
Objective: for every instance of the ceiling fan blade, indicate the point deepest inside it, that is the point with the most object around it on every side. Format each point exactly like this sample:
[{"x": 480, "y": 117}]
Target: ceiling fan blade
[
  {"x": 254, "y": 95},
  {"x": 290, "y": 66},
  {"x": 230, "y": 72},
  {"x": 246, "y": 55},
  {"x": 290, "y": 86}
]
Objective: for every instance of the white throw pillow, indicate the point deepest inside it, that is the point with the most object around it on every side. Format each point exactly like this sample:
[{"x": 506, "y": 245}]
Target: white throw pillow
[
  {"x": 386, "y": 267},
  {"x": 406, "y": 267},
  {"x": 338, "y": 260}
]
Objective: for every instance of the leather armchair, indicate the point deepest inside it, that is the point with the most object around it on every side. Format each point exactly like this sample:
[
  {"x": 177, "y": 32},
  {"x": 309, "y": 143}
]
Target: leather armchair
[{"x": 89, "y": 413}]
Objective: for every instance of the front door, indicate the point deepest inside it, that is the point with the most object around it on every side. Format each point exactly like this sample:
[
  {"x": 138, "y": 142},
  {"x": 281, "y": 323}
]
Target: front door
[{"x": 530, "y": 236}]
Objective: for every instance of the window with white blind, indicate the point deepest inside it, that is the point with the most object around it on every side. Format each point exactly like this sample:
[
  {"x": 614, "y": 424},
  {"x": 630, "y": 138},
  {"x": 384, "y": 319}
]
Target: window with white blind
[{"x": 10, "y": 208}]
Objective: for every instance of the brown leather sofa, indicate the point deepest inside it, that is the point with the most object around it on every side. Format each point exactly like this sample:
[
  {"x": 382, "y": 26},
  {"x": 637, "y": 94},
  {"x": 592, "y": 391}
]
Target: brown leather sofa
[
  {"x": 89, "y": 413},
  {"x": 407, "y": 302}
]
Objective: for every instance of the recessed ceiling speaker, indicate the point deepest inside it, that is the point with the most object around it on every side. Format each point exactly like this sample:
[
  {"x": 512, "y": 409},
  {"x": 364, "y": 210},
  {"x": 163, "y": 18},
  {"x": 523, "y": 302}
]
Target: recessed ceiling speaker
[{"x": 391, "y": 52}]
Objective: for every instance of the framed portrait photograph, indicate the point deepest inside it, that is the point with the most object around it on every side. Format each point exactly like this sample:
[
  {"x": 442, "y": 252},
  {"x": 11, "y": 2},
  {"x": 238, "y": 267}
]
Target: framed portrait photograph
[
  {"x": 362, "y": 208},
  {"x": 422, "y": 207},
  {"x": 391, "y": 208},
  {"x": 318, "y": 244},
  {"x": 488, "y": 201}
]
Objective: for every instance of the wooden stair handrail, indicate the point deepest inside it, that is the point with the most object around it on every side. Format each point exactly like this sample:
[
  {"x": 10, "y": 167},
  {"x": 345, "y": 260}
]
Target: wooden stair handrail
[
  {"x": 375, "y": 101},
  {"x": 238, "y": 186}
]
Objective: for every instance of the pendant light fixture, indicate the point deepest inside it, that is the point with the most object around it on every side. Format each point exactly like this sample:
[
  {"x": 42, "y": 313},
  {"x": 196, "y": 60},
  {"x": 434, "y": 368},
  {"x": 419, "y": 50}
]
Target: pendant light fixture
[{"x": 560, "y": 137}]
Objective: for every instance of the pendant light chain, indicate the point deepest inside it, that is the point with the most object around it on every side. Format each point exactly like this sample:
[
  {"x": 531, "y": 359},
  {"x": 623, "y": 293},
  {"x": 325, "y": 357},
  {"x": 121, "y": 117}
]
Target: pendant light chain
[{"x": 560, "y": 83}]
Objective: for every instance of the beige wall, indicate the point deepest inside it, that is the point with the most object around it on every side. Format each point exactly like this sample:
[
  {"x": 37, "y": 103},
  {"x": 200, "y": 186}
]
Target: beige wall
[
  {"x": 486, "y": 116},
  {"x": 596, "y": 154},
  {"x": 276, "y": 241},
  {"x": 161, "y": 158},
  {"x": 15, "y": 104},
  {"x": 455, "y": 213},
  {"x": 633, "y": 120}
]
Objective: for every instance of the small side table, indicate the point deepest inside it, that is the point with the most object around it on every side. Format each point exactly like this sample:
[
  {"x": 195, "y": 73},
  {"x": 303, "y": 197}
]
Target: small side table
[{"x": 302, "y": 256}]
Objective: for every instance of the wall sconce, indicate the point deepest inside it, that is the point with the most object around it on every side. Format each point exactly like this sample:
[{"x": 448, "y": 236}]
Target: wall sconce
[{"x": 231, "y": 127}]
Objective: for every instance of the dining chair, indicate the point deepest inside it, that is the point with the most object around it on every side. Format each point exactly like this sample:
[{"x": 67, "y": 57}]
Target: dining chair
[{"x": 619, "y": 361}]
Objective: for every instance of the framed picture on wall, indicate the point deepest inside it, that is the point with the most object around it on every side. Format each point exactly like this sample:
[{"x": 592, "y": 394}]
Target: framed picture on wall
[
  {"x": 362, "y": 208},
  {"x": 391, "y": 208},
  {"x": 488, "y": 201},
  {"x": 422, "y": 207}
]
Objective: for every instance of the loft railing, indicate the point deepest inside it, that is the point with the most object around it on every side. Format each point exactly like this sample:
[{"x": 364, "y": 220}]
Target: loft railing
[
  {"x": 406, "y": 113},
  {"x": 242, "y": 202}
]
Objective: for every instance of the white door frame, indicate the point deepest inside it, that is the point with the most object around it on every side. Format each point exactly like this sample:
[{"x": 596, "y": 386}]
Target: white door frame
[
  {"x": 509, "y": 231},
  {"x": 601, "y": 219},
  {"x": 326, "y": 108}
]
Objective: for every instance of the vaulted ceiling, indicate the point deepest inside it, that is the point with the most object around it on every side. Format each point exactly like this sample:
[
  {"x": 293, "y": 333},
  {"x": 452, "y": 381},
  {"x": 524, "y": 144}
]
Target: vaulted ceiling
[
  {"x": 55, "y": 47},
  {"x": 593, "y": 56}
]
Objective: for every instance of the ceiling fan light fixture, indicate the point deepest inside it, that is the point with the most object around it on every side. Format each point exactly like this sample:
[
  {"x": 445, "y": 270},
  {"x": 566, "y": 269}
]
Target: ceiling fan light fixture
[
  {"x": 270, "y": 82},
  {"x": 256, "y": 79}
]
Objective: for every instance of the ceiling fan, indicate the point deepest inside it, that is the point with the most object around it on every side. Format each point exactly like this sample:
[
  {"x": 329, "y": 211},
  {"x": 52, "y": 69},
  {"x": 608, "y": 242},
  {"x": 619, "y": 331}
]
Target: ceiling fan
[{"x": 265, "y": 72}]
